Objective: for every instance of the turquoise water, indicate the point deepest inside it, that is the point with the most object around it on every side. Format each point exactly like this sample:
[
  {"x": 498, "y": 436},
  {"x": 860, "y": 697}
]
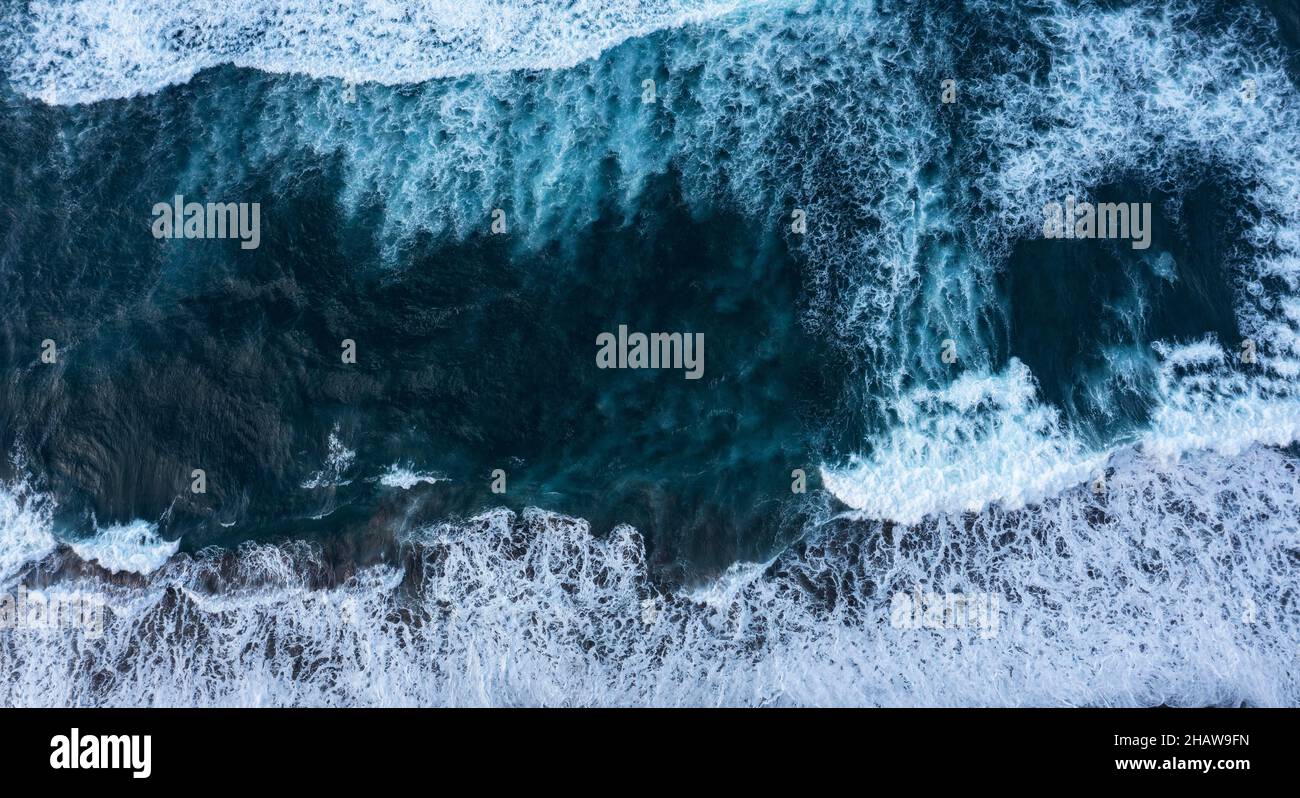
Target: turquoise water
[{"x": 976, "y": 409}]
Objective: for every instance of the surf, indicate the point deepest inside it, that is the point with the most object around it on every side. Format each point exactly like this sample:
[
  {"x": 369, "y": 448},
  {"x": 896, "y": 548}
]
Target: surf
[{"x": 1133, "y": 553}]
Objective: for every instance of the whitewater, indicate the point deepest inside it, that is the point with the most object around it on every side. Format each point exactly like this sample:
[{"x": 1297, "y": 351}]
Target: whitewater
[{"x": 1153, "y": 565}]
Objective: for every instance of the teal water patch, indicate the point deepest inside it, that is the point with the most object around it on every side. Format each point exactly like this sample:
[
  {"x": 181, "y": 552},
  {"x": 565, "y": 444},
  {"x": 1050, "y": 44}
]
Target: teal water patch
[
  {"x": 473, "y": 354},
  {"x": 1084, "y": 313}
]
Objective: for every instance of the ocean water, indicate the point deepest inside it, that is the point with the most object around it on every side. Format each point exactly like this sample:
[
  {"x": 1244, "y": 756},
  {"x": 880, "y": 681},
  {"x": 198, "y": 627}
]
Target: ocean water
[{"x": 1096, "y": 440}]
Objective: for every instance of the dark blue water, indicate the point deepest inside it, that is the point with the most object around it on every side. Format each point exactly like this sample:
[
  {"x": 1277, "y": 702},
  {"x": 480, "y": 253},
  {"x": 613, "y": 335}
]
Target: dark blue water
[
  {"x": 1075, "y": 360},
  {"x": 473, "y": 355}
]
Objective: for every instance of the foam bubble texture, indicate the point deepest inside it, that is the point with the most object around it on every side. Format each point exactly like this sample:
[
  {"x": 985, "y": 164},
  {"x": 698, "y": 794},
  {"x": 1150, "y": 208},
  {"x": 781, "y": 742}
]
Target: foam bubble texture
[
  {"x": 1176, "y": 586},
  {"x": 25, "y": 527},
  {"x": 1093, "y": 95},
  {"x": 984, "y": 438},
  {"x": 133, "y": 547},
  {"x": 80, "y": 51}
]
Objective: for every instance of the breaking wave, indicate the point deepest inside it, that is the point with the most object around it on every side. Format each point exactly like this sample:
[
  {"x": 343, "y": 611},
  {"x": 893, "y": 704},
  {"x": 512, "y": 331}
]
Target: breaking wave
[
  {"x": 133, "y": 547},
  {"x": 126, "y": 48},
  {"x": 1139, "y": 567},
  {"x": 1174, "y": 586}
]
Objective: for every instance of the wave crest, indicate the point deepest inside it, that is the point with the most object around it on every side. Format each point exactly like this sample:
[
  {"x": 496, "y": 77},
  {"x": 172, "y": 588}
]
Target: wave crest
[
  {"x": 128, "y": 47},
  {"x": 1176, "y": 586}
]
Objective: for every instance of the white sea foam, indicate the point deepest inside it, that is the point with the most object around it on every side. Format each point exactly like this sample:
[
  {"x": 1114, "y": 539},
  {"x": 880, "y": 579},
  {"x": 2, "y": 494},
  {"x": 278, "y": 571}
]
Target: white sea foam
[
  {"x": 79, "y": 51},
  {"x": 338, "y": 459},
  {"x": 399, "y": 477},
  {"x": 1176, "y": 583},
  {"x": 132, "y": 547},
  {"x": 985, "y": 438},
  {"x": 1126, "y": 91},
  {"x": 25, "y": 527},
  {"x": 1205, "y": 403},
  {"x": 989, "y": 439},
  {"x": 1132, "y": 91},
  {"x": 723, "y": 591},
  {"x": 27, "y": 536},
  {"x": 1176, "y": 586}
]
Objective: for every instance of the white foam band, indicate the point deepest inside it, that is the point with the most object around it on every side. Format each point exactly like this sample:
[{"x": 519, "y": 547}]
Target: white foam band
[
  {"x": 133, "y": 547},
  {"x": 1137, "y": 597},
  {"x": 79, "y": 51}
]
